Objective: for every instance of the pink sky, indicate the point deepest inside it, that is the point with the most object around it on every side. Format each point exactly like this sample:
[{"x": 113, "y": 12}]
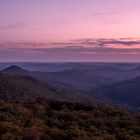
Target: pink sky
[{"x": 54, "y": 21}]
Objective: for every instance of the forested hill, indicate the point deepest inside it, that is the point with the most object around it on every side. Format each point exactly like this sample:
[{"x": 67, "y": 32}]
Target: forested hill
[{"x": 43, "y": 119}]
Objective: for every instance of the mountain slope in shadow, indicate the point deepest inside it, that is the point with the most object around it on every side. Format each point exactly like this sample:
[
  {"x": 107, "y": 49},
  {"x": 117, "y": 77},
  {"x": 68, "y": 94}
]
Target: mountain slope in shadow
[
  {"x": 13, "y": 87},
  {"x": 125, "y": 92}
]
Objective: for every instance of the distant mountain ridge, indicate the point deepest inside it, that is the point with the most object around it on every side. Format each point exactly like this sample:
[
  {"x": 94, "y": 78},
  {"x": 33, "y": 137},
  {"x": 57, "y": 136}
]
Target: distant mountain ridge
[
  {"x": 123, "y": 91},
  {"x": 77, "y": 79}
]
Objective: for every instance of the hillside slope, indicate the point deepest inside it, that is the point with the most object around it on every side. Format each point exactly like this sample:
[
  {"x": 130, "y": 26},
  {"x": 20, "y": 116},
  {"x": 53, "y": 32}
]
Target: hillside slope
[
  {"x": 126, "y": 92},
  {"x": 16, "y": 87}
]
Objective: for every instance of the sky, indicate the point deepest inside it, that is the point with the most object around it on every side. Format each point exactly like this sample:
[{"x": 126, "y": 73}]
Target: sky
[{"x": 70, "y": 30}]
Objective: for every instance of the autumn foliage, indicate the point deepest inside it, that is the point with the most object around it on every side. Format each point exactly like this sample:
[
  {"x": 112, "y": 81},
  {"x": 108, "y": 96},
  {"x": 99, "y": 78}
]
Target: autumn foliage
[{"x": 42, "y": 119}]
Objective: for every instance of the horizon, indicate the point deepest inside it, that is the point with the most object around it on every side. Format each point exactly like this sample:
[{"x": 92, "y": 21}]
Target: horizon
[
  {"x": 47, "y": 62},
  {"x": 70, "y": 31}
]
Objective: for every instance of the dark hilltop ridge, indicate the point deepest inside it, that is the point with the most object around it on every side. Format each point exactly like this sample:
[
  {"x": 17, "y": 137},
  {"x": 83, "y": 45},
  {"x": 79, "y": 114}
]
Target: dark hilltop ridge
[{"x": 14, "y": 68}]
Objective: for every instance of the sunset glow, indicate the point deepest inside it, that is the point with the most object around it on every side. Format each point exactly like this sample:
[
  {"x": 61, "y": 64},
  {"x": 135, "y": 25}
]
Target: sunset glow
[{"x": 70, "y": 30}]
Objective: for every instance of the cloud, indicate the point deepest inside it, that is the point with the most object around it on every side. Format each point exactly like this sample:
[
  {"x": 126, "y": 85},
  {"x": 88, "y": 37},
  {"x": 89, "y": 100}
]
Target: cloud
[
  {"x": 109, "y": 42},
  {"x": 13, "y": 26},
  {"x": 100, "y": 14},
  {"x": 74, "y": 50},
  {"x": 81, "y": 44},
  {"x": 83, "y": 49}
]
